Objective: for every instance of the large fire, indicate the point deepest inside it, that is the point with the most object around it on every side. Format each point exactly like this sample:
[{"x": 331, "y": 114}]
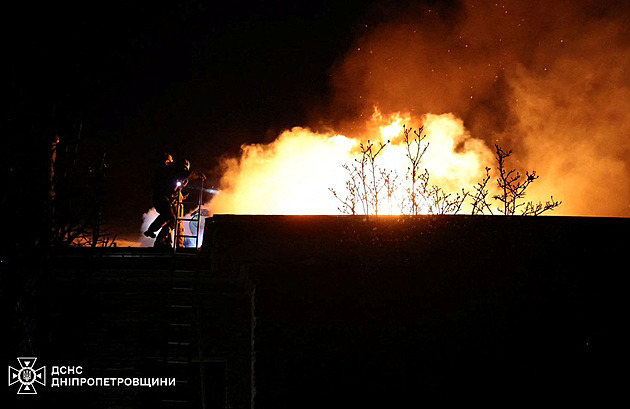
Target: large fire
[
  {"x": 294, "y": 174},
  {"x": 549, "y": 81}
]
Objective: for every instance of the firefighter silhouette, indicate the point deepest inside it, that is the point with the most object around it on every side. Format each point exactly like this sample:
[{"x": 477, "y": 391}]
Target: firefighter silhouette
[{"x": 168, "y": 181}]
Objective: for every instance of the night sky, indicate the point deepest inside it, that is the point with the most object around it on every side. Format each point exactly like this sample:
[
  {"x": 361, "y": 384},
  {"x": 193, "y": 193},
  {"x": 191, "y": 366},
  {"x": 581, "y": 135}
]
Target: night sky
[{"x": 194, "y": 78}]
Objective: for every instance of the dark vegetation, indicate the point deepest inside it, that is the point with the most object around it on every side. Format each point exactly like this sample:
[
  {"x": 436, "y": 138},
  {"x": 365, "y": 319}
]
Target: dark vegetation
[{"x": 370, "y": 187}]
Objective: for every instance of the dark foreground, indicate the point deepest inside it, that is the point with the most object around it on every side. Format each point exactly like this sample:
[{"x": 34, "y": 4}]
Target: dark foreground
[{"x": 294, "y": 312}]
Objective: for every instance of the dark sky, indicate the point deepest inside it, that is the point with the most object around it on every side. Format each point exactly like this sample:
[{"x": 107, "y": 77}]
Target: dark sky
[{"x": 195, "y": 78}]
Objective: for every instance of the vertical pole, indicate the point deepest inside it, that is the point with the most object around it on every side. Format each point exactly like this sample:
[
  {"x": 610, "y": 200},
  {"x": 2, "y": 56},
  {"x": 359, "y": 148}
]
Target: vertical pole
[{"x": 175, "y": 234}]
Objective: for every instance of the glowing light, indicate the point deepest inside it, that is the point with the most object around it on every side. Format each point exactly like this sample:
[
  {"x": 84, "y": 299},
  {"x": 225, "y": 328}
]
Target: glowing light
[{"x": 293, "y": 174}]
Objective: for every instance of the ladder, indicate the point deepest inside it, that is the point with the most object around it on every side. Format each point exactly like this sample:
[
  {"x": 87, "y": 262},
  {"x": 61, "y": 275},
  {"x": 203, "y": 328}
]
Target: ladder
[
  {"x": 200, "y": 380},
  {"x": 178, "y": 232}
]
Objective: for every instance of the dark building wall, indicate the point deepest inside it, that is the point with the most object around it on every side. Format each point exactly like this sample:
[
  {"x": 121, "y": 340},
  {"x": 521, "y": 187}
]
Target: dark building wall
[
  {"x": 131, "y": 314},
  {"x": 323, "y": 311},
  {"x": 379, "y": 312}
]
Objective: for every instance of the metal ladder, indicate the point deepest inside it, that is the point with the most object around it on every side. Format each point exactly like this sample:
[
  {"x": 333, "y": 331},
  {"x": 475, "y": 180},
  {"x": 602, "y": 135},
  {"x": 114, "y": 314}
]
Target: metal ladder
[
  {"x": 179, "y": 217},
  {"x": 182, "y": 341},
  {"x": 200, "y": 380}
]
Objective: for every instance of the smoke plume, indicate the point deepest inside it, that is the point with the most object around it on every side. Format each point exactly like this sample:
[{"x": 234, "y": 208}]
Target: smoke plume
[{"x": 549, "y": 80}]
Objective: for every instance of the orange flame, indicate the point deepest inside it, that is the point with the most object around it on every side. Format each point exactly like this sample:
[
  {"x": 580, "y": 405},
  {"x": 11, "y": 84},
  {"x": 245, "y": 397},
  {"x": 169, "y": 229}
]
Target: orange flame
[{"x": 293, "y": 174}]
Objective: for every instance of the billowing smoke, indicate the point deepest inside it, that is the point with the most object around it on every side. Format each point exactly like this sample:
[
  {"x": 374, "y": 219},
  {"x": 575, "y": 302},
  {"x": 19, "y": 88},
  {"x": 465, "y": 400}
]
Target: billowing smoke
[
  {"x": 549, "y": 80},
  {"x": 147, "y": 219},
  {"x": 190, "y": 229}
]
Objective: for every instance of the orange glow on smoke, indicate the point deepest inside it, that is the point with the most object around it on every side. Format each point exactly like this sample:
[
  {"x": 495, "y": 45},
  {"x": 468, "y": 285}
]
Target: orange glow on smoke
[
  {"x": 548, "y": 80},
  {"x": 293, "y": 174}
]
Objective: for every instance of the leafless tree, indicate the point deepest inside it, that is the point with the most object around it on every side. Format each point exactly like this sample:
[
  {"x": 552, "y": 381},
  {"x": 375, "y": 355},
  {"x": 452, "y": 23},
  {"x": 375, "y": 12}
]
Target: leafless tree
[
  {"x": 442, "y": 202},
  {"x": 390, "y": 182},
  {"x": 479, "y": 203},
  {"x": 366, "y": 182},
  {"x": 369, "y": 184},
  {"x": 418, "y": 180},
  {"x": 76, "y": 193},
  {"x": 353, "y": 195},
  {"x": 513, "y": 186},
  {"x": 375, "y": 184}
]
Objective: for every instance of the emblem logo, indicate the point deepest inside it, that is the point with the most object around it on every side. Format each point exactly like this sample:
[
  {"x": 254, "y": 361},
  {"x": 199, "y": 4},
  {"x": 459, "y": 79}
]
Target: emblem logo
[{"x": 27, "y": 376}]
